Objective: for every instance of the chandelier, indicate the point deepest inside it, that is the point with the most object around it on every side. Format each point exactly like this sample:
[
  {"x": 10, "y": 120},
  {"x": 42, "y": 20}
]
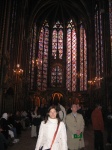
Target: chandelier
[
  {"x": 37, "y": 62},
  {"x": 95, "y": 80},
  {"x": 18, "y": 70}
]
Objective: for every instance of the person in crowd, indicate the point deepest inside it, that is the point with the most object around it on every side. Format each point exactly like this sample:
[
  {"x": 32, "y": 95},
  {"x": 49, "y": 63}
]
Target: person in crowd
[
  {"x": 98, "y": 127},
  {"x": 7, "y": 129},
  {"x": 17, "y": 123},
  {"x": 52, "y": 132},
  {"x": 3, "y": 140},
  {"x": 43, "y": 109},
  {"x": 75, "y": 128},
  {"x": 34, "y": 123},
  {"x": 62, "y": 112},
  {"x": 109, "y": 126},
  {"x": 23, "y": 119},
  {"x": 11, "y": 124},
  {"x": 30, "y": 117},
  {"x": 4, "y": 125}
]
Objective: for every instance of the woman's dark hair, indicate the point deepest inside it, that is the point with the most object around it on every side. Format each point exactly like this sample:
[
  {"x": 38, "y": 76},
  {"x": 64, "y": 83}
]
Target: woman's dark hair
[{"x": 47, "y": 115}]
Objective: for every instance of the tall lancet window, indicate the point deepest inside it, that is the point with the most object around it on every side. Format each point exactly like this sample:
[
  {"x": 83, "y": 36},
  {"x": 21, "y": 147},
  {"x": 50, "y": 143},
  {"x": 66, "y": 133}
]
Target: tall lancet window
[
  {"x": 32, "y": 56},
  {"x": 98, "y": 45},
  {"x": 12, "y": 30},
  {"x": 57, "y": 53},
  {"x": 42, "y": 54},
  {"x": 110, "y": 19},
  {"x": 71, "y": 58},
  {"x": 57, "y": 40},
  {"x": 83, "y": 60},
  {"x": 39, "y": 58}
]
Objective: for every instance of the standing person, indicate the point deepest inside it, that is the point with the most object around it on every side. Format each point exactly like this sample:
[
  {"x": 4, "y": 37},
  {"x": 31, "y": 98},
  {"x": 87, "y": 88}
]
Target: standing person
[
  {"x": 34, "y": 122},
  {"x": 62, "y": 112},
  {"x": 98, "y": 127},
  {"x": 4, "y": 125},
  {"x": 75, "y": 128},
  {"x": 52, "y": 133}
]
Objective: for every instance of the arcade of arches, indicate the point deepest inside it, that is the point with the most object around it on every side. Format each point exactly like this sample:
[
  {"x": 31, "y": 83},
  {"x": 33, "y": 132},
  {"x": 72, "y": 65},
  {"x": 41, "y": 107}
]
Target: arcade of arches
[{"x": 55, "y": 51}]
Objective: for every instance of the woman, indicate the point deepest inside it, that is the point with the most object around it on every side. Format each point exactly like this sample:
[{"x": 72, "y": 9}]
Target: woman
[
  {"x": 47, "y": 130},
  {"x": 35, "y": 118}
]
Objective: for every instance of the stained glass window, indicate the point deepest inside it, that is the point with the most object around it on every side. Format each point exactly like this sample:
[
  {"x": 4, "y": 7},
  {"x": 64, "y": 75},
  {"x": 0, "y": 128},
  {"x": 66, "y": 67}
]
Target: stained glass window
[
  {"x": 56, "y": 76},
  {"x": 83, "y": 60},
  {"x": 54, "y": 43},
  {"x": 57, "y": 53},
  {"x": 110, "y": 18},
  {"x": 39, "y": 57},
  {"x": 71, "y": 58},
  {"x": 57, "y": 40},
  {"x": 32, "y": 57},
  {"x": 12, "y": 30},
  {"x": 60, "y": 43},
  {"x": 98, "y": 45},
  {"x": 43, "y": 56}
]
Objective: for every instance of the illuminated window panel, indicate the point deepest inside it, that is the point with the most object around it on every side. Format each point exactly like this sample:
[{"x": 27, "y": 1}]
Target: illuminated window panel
[
  {"x": 40, "y": 54},
  {"x": 83, "y": 60},
  {"x": 99, "y": 46},
  {"x": 54, "y": 44},
  {"x": 74, "y": 59},
  {"x": 60, "y": 43},
  {"x": 56, "y": 76},
  {"x": 12, "y": 30},
  {"x": 68, "y": 61},
  {"x": 81, "y": 57},
  {"x": 57, "y": 40},
  {"x": 43, "y": 56},
  {"x": 32, "y": 56},
  {"x": 71, "y": 59},
  {"x": 45, "y": 59}
]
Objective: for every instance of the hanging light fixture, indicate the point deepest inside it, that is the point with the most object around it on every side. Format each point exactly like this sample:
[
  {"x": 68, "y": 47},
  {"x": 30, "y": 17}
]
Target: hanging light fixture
[
  {"x": 95, "y": 80},
  {"x": 37, "y": 62},
  {"x": 18, "y": 70}
]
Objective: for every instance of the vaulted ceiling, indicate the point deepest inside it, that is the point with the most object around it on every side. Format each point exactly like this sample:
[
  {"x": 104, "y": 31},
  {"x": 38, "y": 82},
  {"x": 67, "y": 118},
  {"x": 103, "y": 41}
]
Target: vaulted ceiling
[{"x": 61, "y": 10}]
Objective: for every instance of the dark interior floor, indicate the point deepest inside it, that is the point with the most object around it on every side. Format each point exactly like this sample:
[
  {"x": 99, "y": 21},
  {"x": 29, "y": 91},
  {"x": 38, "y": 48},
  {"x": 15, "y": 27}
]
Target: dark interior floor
[{"x": 28, "y": 143}]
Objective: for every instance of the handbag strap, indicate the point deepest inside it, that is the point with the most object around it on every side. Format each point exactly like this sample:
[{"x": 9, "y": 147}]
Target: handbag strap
[{"x": 55, "y": 135}]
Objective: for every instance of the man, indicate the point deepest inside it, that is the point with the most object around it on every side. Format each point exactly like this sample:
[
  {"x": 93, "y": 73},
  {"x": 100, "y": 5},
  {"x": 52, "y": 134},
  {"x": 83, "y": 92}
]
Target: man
[
  {"x": 75, "y": 127},
  {"x": 98, "y": 127}
]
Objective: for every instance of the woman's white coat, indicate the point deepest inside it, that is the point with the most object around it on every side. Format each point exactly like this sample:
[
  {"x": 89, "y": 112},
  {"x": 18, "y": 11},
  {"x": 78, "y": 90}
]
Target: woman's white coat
[{"x": 46, "y": 134}]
